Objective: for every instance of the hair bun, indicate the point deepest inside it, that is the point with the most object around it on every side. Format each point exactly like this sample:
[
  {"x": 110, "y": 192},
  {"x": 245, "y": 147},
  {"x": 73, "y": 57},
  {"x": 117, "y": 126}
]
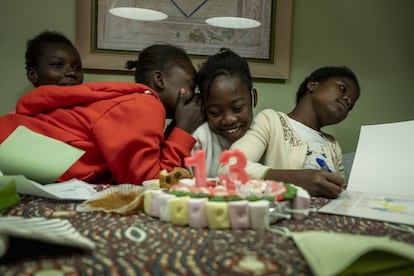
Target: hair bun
[{"x": 131, "y": 64}]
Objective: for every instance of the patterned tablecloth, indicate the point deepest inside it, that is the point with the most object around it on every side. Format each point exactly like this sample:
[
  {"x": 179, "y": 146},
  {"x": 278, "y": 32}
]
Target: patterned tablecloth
[{"x": 141, "y": 245}]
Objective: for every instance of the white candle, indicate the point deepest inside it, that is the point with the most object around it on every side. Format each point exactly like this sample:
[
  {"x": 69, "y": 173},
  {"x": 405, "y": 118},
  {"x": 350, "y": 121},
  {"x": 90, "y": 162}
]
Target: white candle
[
  {"x": 259, "y": 214},
  {"x": 197, "y": 215}
]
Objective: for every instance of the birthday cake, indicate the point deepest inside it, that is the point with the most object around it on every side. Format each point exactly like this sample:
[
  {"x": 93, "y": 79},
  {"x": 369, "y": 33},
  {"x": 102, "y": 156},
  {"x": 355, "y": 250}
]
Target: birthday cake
[{"x": 226, "y": 202}]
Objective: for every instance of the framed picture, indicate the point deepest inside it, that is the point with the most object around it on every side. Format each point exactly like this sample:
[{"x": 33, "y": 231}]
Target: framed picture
[{"x": 106, "y": 42}]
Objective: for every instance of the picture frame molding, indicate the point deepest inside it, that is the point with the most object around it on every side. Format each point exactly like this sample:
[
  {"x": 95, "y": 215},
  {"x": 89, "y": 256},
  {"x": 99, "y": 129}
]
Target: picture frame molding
[{"x": 101, "y": 61}]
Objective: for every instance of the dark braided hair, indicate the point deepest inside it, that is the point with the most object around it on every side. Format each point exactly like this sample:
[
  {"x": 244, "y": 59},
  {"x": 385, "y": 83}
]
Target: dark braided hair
[
  {"x": 325, "y": 73},
  {"x": 36, "y": 46},
  {"x": 157, "y": 57},
  {"x": 225, "y": 62}
]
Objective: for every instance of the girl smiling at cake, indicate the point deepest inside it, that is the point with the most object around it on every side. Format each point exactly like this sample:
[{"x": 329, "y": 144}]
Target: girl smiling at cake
[{"x": 228, "y": 96}]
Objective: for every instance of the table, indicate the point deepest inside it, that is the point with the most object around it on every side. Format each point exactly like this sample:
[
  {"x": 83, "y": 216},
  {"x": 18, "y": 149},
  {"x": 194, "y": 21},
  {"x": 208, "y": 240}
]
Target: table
[{"x": 141, "y": 245}]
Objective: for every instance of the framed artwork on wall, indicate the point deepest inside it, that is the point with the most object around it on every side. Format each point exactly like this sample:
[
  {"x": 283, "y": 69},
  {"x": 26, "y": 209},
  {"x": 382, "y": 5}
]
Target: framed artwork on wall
[{"x": 106, "y": 42}]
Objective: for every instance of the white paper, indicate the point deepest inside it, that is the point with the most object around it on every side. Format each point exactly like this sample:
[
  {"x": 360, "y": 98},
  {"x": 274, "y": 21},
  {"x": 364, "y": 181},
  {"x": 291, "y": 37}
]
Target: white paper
[
  {"x": 54, "y": 231},
  {"x": 381, "y": 183},
  {"x": 384, "y": 159},
  {"x": 69, "y": 190},
  {"x": 378, "y": 206}
]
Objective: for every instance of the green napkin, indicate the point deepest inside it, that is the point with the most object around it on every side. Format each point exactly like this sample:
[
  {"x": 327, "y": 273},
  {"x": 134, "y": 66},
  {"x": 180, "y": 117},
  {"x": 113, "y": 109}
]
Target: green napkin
[
  {"x": 8, "y": 195},
  {"x": 329, "y": 253}
]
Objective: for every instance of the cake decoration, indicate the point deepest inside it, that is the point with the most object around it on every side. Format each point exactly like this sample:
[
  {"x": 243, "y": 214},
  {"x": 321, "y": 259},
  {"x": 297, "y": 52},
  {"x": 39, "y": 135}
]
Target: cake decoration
[
  {"x": 228, "y": 201},
  {"x": 167, "y": 179}
]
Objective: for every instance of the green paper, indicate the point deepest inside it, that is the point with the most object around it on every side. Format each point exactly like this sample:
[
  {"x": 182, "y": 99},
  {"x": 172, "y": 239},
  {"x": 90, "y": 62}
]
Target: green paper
[
  {"x": 37, "y": 157},
  {"x": 8, "y": 195},
  {"x": 329, "y": 253}
]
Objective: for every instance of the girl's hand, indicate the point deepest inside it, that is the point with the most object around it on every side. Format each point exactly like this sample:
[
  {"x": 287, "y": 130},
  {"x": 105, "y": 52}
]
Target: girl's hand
[
  {"x": 188, "y": 115},
  {"x": 316, "y": 182}
]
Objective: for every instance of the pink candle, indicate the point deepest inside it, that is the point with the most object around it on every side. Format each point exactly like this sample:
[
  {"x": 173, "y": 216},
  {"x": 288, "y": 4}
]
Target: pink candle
[
  {"x": 236, "y": 169},
  {"x": 198, "y": 161}
]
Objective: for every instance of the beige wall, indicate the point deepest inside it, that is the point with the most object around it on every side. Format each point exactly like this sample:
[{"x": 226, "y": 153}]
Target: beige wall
[{"x": 373, "y": 37}]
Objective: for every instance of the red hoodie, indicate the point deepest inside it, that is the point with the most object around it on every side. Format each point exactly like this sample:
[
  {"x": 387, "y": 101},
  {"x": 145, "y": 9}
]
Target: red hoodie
[{"x": 119, "y": 125}]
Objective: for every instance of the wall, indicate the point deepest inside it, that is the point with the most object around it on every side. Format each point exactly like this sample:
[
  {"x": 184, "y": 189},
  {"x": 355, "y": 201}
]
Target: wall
[{"x": 373, "y": 37}]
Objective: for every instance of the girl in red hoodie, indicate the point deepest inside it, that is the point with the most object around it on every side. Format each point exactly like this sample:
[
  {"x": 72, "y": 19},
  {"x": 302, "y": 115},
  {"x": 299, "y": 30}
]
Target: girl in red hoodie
[{"x": 120, "y": 126}]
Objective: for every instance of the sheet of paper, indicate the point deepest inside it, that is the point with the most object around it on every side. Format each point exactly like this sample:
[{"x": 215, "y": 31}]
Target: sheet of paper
[
  {"x": 69, "y": 190},
  {"x": 384, "y": 159},
  {"x": 36, "y": 156},
  {"x": 378, "y": 206},
  {"x": 53, "y": 231},
  {"x": 381, "y": 182}
]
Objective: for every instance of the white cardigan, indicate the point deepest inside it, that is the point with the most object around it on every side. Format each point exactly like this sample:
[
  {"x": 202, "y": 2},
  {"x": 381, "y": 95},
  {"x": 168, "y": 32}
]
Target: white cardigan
[{"x": 272, "y": 143}]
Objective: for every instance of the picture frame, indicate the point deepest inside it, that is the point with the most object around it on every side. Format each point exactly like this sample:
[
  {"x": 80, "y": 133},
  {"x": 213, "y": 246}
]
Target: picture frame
[{"x": 276, "y": 67}]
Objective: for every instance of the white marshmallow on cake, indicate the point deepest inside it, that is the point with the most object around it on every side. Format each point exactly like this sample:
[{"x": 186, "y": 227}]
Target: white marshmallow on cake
[
  {"x": 155, "y": 203},
  {"x": 239, "y": 213},
  {"x": 147, "y": 201},
  {"x": 197, "y": 214},
  {"x": 259, "y": 214},
  {"x": 165, "y": 206},
  {"x": 301, "y": 202}
]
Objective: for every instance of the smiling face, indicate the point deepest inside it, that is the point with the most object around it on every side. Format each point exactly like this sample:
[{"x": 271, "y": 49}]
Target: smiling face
[
  {"x": 228, "y": 107},
  {"x": 332, "y": 99},
  {"x": 60, "y": 64}
]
